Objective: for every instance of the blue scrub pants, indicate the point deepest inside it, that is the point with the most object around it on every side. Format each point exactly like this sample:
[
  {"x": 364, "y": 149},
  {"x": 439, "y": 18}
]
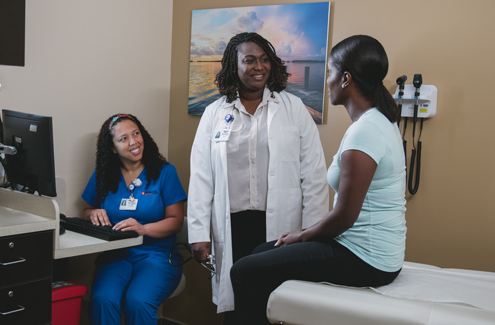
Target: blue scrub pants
[{"x": 133, "y": 282}]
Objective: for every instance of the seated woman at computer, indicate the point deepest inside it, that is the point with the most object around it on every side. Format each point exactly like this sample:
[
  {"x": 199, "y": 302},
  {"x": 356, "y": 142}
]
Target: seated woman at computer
[
  {"x": 133, "y": 188},
  {"x": 361, "y": 242}
]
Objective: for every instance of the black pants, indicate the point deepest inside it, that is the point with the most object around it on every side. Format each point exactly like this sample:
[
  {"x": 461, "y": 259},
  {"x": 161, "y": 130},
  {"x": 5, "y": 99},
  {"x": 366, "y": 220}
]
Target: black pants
[
  {"x": 248, "y": 231},
  {"x": 254, "y": 277}
]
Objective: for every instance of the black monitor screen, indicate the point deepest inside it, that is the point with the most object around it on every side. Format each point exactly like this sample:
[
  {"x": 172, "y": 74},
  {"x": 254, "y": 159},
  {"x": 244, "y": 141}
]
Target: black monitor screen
[
  {"x": 32, "y": 168},
  {"x": 12, "y": 32}
]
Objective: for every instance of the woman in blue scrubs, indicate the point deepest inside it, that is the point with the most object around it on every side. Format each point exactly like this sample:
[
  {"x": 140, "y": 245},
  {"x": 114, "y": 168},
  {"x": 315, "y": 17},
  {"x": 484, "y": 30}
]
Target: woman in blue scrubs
[{"x": 133, "y": 188}]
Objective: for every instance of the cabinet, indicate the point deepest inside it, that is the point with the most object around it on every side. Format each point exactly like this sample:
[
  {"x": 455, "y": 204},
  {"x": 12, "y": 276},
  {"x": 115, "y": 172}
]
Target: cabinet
[
  {"x": 25, "y": 278},
  {"x": 29, "y": 241}
]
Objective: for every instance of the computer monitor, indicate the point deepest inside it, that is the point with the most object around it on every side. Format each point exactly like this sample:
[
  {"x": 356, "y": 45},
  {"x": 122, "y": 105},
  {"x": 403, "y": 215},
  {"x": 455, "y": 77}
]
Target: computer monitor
[{"x": 32, "y": 168}]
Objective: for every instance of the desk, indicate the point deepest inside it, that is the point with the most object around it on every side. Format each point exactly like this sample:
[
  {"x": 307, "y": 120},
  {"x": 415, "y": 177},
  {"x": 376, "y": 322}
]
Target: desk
[
  {"x": 22, "y": 213},
  {"x": 75, "y": 244},
  {"x": 26, "y": 221}
]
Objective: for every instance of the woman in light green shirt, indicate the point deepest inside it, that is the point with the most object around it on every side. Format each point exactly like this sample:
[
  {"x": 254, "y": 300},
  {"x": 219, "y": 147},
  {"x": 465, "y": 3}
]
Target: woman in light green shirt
[{"x": 361, "y": 242}]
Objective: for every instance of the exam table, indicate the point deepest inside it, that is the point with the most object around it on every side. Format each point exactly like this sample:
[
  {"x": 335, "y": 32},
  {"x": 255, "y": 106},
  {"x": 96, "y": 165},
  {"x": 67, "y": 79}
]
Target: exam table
[{"x": 421, "y": 294}]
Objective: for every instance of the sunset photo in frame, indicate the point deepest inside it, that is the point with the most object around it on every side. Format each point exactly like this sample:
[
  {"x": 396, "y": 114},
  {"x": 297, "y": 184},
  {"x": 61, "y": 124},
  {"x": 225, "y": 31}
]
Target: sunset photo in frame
[{"x": 299, "y": 33}]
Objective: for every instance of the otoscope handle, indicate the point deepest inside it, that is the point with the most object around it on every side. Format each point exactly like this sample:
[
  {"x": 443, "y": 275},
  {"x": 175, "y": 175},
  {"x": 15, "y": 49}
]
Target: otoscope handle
[
  {"x": 415, "y": 157},
  {"x": 417, "y": 82}
]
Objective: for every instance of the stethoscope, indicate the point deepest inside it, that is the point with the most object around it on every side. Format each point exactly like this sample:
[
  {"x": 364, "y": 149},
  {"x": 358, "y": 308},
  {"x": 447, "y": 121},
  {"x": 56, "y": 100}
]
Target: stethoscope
[
  {"x": 210, "y": 261},
  {"x": 209, "y": 264}
]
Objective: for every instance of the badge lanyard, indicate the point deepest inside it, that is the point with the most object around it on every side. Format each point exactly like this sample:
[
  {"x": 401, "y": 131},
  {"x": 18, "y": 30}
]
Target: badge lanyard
[
  {"x": 131, "y": 202},
  {"x": 223, "y": 134}
]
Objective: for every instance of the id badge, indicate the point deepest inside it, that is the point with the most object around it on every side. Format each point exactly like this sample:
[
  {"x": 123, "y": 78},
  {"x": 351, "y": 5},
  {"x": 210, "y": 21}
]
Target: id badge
[
  {"x": 222, "y": 135},
  {"x": 128, "y": 204}
]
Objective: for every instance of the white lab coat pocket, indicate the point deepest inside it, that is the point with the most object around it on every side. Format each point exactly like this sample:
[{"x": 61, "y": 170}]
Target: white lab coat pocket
[
  {"x": 218, "y": 218},
  {"x": 290, "y": 144}
]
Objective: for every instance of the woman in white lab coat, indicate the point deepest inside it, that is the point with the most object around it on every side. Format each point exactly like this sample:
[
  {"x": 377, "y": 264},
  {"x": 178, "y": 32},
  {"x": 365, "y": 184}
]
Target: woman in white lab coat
[{"x": 257, "y": 164}]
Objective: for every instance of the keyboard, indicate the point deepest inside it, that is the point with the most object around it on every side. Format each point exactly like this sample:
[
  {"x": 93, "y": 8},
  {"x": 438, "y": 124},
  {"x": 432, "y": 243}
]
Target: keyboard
[{"x": 85, "y": 227}]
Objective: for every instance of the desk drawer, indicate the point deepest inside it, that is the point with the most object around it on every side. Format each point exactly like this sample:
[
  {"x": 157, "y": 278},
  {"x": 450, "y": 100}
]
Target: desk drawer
[
  {"x": 27, "y": 304},
  {"x": 26, "y": 257}
]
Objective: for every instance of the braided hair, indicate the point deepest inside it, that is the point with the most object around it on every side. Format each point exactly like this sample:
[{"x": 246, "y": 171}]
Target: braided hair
[
  {"x": 108, "y": 163},
  {"x": 367, "y": 62},
  {"x": 227, "y": 80}
]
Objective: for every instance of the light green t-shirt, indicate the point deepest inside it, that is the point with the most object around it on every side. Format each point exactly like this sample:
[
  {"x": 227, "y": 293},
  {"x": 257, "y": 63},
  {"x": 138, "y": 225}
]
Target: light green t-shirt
[{"x": 378, "y": 236}]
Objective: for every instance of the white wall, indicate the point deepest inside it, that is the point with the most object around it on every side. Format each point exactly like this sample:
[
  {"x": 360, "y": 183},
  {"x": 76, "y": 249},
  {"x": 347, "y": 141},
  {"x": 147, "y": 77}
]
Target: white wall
[{"x": 85, "y": 61}]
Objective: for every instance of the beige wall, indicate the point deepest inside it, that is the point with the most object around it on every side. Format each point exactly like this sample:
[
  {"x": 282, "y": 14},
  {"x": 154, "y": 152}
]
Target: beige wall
[
  {"x": 85, "y": 61},
  {"x": 450, "y": 220}
]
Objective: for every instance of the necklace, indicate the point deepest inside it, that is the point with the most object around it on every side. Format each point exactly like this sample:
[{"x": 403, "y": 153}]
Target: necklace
[
  {"x": 130, "y": 175},
  {"x": 252, "y": 108}
]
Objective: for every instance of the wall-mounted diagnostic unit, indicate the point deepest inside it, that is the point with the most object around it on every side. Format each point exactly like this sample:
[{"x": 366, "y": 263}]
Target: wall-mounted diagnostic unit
[
  {"x": 427, "y": 101},
  {"x": 419, "y": 102}
]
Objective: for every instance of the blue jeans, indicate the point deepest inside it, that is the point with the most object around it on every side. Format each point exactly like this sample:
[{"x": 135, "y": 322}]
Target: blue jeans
[
  {"x": 255, "y": 276},
  {"x": 133, "y": 282}
]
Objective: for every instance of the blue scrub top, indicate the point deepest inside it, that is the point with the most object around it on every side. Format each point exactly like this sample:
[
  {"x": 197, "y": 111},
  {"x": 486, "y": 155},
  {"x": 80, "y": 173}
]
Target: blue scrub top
[{"x": 152, "y": 200}]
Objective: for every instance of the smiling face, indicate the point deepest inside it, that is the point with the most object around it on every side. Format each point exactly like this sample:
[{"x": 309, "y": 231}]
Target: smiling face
[
  {"x": 253, "y": 67},
  {"x": 128, "y": 142}
]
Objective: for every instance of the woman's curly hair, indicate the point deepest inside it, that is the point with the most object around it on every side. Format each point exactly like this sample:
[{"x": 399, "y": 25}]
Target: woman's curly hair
[
  {"x": 227, "y": 80},
  {"x": 108, "y": 163}
]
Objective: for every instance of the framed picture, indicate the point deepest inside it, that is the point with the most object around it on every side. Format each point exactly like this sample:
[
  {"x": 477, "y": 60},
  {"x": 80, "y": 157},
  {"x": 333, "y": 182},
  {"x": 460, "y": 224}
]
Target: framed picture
[{"x": 299, "y": 33}]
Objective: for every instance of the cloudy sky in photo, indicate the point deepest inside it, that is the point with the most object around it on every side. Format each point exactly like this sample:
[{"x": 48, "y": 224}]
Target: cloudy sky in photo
[{"x": 297, "y": 31}]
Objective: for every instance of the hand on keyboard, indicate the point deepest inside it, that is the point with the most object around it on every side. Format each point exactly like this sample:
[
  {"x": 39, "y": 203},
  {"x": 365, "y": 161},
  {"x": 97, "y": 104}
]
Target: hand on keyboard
[{"x": 86, "y": 227}]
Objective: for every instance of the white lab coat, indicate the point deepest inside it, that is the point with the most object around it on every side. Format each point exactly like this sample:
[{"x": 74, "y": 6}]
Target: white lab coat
[{"x": 297, "y": 185}]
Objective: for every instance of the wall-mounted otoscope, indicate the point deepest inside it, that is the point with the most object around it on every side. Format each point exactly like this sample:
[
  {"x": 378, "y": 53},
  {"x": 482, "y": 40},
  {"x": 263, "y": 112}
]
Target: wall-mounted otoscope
[
  {"x": 416, "y": 152},
  {"x": 411, "y": 104},
  {"x": 417, "y": 82},
  {"x": 401, "y": 81}
]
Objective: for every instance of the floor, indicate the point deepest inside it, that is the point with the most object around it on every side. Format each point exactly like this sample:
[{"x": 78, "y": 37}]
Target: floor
[{"x": 167, "y": 321}]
